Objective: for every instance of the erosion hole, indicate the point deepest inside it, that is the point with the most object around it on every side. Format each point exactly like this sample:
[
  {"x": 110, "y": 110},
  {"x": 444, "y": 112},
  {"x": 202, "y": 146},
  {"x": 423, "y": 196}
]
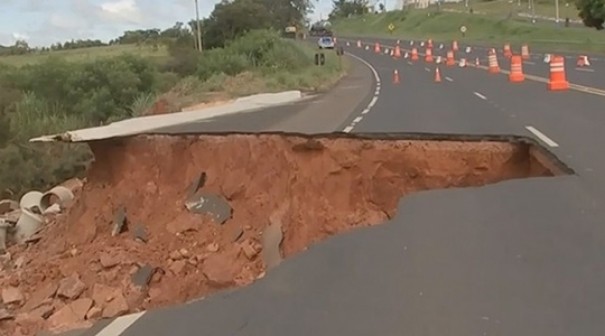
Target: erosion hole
[{"x": 313, "y": 186}]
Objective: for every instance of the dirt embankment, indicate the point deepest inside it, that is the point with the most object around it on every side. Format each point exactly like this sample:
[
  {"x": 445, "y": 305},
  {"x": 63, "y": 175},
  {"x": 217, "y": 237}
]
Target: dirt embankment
[{"x": 203, "y": 213}]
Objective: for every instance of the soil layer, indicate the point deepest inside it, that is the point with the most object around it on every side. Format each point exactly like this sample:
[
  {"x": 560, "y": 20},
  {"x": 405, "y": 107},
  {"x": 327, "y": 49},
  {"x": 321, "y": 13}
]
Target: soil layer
[{"x": 285, "y": 192}]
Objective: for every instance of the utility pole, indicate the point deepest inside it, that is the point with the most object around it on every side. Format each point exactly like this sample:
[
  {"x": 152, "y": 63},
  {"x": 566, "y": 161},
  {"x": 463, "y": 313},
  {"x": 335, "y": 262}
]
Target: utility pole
[
  {"x": 199, "y": 31},
  {"x": 557, "y": 11}
]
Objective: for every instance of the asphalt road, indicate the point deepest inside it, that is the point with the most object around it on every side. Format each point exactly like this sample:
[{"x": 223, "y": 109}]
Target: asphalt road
[
  {"x": 593, "y": 75},
  {"x": 522, "y": 257}
]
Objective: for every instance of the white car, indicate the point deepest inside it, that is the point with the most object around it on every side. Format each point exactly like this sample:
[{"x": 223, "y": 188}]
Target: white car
[{"x": 326, "y": 42}]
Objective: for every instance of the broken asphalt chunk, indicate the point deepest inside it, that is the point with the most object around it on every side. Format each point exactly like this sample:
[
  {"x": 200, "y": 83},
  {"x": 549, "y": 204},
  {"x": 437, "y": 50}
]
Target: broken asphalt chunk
[
  {"x": 197, "y": 184},
  {"x": 139, "y": 233},
  {"x": 210, "y": 204},
  {"x": 119, "y": 222},
  {"x": 142, "y": 276}
]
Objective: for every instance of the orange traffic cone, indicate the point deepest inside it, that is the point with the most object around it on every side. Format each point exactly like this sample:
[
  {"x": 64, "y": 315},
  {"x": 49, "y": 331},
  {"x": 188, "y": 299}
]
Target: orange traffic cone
[
  {"x": 358, "y": 44},
  {"x": 437, "y": 76},
  {"x": 377, "y": 48},
  {"x": 525, "y": 52},
  {"x": 477, "y": 63},
  {"x": 493, "y": 68},
  {"x": 430, "y": 43},
  {"x": 450, "y": 61},
  {"x": 507, "y": 52},
  {"x": 428, "y": 57},
  {"x": 516, "y": 69},
  {"x": 557, "y": 81},
  {"x": 397, "y": 53},
  {"x": 582, "y": 61},
  {"x": 455, "y": 45},
  {"x": 395, "y": 77},
  {"x": 414, "y": 54}
]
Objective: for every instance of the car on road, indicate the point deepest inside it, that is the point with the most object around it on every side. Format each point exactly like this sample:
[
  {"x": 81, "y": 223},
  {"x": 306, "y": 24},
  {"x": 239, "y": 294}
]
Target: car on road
[{"x": 326, "y": 42}]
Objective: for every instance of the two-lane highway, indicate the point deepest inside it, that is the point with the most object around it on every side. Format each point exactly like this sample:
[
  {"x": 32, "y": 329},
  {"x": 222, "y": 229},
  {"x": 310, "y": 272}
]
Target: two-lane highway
[
  {"x": 592, "y": 75},
  {"x": 521, "y": 257}
]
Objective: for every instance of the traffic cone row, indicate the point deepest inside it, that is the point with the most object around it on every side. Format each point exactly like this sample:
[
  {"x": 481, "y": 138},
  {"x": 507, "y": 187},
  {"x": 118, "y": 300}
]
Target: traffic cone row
[{"x": 556, "y": 82}]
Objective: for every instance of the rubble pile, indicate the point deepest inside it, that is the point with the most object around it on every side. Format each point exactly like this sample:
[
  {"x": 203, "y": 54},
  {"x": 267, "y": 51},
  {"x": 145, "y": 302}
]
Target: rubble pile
[{"x": 167, "y": 219}]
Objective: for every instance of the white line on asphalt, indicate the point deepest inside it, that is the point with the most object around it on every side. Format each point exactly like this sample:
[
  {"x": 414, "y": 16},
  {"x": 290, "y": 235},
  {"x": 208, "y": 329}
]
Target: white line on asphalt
[
  {"x": 542, "y": 136},
  {"x": 117, "y": 326},
  {"x": 410, "y": 63},
  {"x": 480, "y": 95},
  {"x": 427, "y": 69},
  {"x": 448, "y": 79},
  {"x": 586, "y": 70},
  {"x": 374, "y": 98},
  {"x": 529, "y": 62},
  {"x": 373, "y": 102}
]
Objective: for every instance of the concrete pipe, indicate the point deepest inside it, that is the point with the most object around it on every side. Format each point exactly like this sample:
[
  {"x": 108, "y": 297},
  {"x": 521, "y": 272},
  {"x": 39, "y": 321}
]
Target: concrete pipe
[
  {"x": 57, "y": 195},
  {"x": 3, "y": 235},
  {"x": 31, "y": 200},
  {"x": 28, "y": 225}
]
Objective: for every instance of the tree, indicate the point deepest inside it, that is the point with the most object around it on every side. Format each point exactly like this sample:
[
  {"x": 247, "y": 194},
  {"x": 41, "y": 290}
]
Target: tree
[
  {"x": 592, "y": 12},
  {"x": 346, "y": 8}
]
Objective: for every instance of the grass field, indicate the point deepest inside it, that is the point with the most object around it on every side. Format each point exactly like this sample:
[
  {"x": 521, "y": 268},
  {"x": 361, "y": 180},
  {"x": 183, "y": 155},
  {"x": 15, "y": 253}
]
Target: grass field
[
  {"x": 481, "y": 28},
  {"x": 87, "y": 54},
  {"x": 504, "y": 7}
]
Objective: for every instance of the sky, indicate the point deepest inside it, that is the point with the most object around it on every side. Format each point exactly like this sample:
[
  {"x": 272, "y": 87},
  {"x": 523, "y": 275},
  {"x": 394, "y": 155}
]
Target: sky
[{"x": 43, "y": 22}]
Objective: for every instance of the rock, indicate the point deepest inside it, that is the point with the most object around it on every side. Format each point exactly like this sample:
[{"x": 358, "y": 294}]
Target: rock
[
  {"x": 175, "y": 255},
  {"x": 80, "y": 307},
  {"x": 102, "y": 294},
  {"x": 251, "y": 249},
  {"x": 221, "y": 269},
  {"x": 94, "y": 313},
  {"x": 20, "y": 262},
  {"x": 210, "y": 204},
  {"x": 40, "y": 296},
  {"x": 177, "y": 266},
  {"x": 5, "y": 315},
  {"x": 184, "y": 253},
  {"x": 180, "y": 226},
  {"x": 12, "y": 295},
  {"x": 63, "y": 318},
  {"x": 212, "y": 247},
  {"x": 116, "y": 307},
  {"x": 44, "y": 311},
  {"x": 109, "y": 260},
  {"x": 71, "y": 287},
  {"x": 7, "y": 205}
]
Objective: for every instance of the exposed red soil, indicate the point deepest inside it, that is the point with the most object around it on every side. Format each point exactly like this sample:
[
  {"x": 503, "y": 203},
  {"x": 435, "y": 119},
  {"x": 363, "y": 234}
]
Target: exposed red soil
[{"x": 312, "y": 187}]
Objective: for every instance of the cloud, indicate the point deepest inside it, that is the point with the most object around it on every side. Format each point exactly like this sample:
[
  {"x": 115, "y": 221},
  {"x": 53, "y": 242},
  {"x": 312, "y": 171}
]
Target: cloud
[
  {"x": 126, "y": 11},
  {"x": 20, "y": 36}
]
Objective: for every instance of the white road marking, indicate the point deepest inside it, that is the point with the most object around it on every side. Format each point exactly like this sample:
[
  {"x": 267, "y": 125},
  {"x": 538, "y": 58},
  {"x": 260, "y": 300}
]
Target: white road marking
[
  {"x": 427, "y": 69},
  {"x": 542, "y": 136},
  {"x": 410, "y": 63},
  {"x": 374, "y": 98},
  {"x": 529, "y": 62},
  {"x": 373, "y": 102},
  {"x": 448, "y": 79},
  {"x": 585, "y": 70},
  {"x": 117, "y": 326},
  {"x": 480, "y": 95}
]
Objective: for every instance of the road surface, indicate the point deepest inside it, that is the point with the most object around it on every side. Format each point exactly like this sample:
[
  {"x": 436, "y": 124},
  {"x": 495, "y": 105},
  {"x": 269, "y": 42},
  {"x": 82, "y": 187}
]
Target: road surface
[
  {"x": 593, "y": 75},
  {"x": 522, "y": 257}
]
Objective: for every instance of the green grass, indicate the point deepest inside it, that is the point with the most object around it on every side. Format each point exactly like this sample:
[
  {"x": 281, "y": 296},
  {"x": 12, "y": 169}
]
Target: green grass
[
  {"x": 504, "y": 7},
  {"x": 482, "y": 29},
  {"x": 86, "y": 54}
]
